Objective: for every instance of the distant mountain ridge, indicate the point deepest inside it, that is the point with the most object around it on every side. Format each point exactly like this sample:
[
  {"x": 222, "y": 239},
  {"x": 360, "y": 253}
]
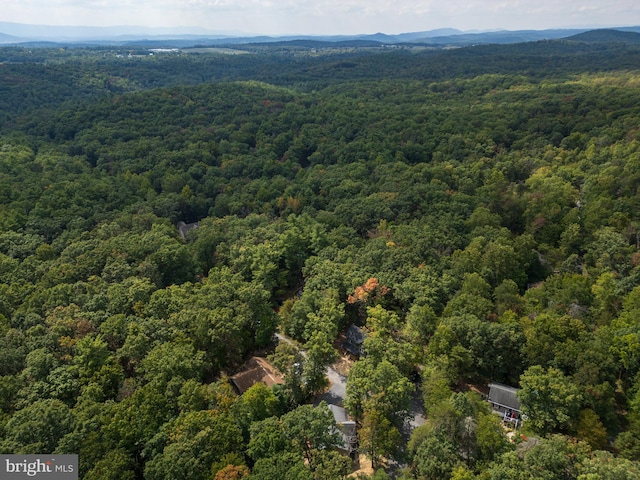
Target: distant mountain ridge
[
  {"x": 502, "y": 36},
  {"x": 5, "y": 38},
  {"x": 606, "y": 35},
  {"x": 183, "y": 37}
]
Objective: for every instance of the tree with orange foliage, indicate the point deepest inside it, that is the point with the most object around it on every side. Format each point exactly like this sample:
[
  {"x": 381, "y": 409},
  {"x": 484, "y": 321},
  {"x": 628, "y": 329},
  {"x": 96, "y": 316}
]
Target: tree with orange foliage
[
  {"x": 232, "y": 472},
  {"x": 368, "y": 293}
]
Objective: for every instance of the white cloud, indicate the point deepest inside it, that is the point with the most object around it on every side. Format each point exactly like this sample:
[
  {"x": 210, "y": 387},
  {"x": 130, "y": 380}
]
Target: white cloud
[{"x": 326, "y": 16}]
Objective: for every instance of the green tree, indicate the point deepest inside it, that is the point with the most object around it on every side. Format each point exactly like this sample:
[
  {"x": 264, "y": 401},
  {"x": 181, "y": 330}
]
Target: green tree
[
  {"x": 604, "y": 465},
  {"x": 421, "y": 322},
  {"x": 267, "y": 439},
  {"x": 288, "y": 466},
  {"x": 479, "y": 349},
  {"x": 134, "y": 421},
  {"x": 195, "y": 441},
  {"x": 319, "y": 355},
  {"x": 38, "y": 427},
  {"x": 383, "y": 339},
  {"x": 379, "y": 386},
  {"x": 590, "y": 429},
  {"x": 172, "y": 360},
  {"x": 378, "y": 436},
  {"x": 491, "y": 438},
  {"x": 550, "y": 400},
  {"x": 331, "y": 465},
  {"x": 288, "y": 359},
  {"x": 435, "y": 387},
  {"x": 256, "y": 404},
  {"x": 311, "y": 429},
  {"x": 115, "y": 465},
  {"x": 435, "y": 458}
]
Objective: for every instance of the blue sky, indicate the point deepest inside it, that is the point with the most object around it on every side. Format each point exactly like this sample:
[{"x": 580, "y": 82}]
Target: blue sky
[{"x": 326, "y": 16}]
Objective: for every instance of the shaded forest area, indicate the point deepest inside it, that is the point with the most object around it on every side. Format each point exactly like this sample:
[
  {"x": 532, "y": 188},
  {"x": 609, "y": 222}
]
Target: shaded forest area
[{"x": 475, "y": 211}]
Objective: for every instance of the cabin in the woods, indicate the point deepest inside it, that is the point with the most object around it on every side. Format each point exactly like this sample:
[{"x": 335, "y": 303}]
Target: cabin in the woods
[
  {"x": 185, "y": 228},
  {"x": 347, "y": 429},
  {"x": 256, "y": 370},
  {"x": 504, "y": 401},
  {"x": 354, "y": 341}
]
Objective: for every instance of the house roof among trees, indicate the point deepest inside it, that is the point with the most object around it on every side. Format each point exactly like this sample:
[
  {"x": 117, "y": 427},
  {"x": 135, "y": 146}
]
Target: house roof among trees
[
  {"x": 346, "y": 427},
  {"x": 256, "y": 370},
  {"x": 354, "y": 340},
  {"x": 355, "y": 335},
  {"x": 184, "y": 228},
  {"x": 504, "y": 396}
]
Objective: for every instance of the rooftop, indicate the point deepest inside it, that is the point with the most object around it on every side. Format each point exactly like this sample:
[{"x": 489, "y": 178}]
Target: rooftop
[
  {"x": 504, "y": 396},
  {"x": 257, "y": 369}
]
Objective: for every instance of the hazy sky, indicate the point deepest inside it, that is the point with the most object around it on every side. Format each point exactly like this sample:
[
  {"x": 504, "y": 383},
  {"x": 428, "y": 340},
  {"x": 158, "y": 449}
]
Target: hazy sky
[{"x": 326, "y": 16}]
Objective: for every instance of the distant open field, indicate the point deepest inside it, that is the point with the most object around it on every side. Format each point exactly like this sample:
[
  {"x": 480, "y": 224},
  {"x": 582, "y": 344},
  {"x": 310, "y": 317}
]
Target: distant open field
[{"x": 226, "y": 51}]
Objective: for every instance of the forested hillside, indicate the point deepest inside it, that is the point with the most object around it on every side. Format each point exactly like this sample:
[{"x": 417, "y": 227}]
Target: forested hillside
[{"x": 475, "y": 211}]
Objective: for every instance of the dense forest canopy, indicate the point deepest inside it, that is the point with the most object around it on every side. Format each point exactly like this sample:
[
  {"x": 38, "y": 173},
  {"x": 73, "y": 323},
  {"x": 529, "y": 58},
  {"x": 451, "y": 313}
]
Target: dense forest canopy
[{"x": 475, "y": 211}]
